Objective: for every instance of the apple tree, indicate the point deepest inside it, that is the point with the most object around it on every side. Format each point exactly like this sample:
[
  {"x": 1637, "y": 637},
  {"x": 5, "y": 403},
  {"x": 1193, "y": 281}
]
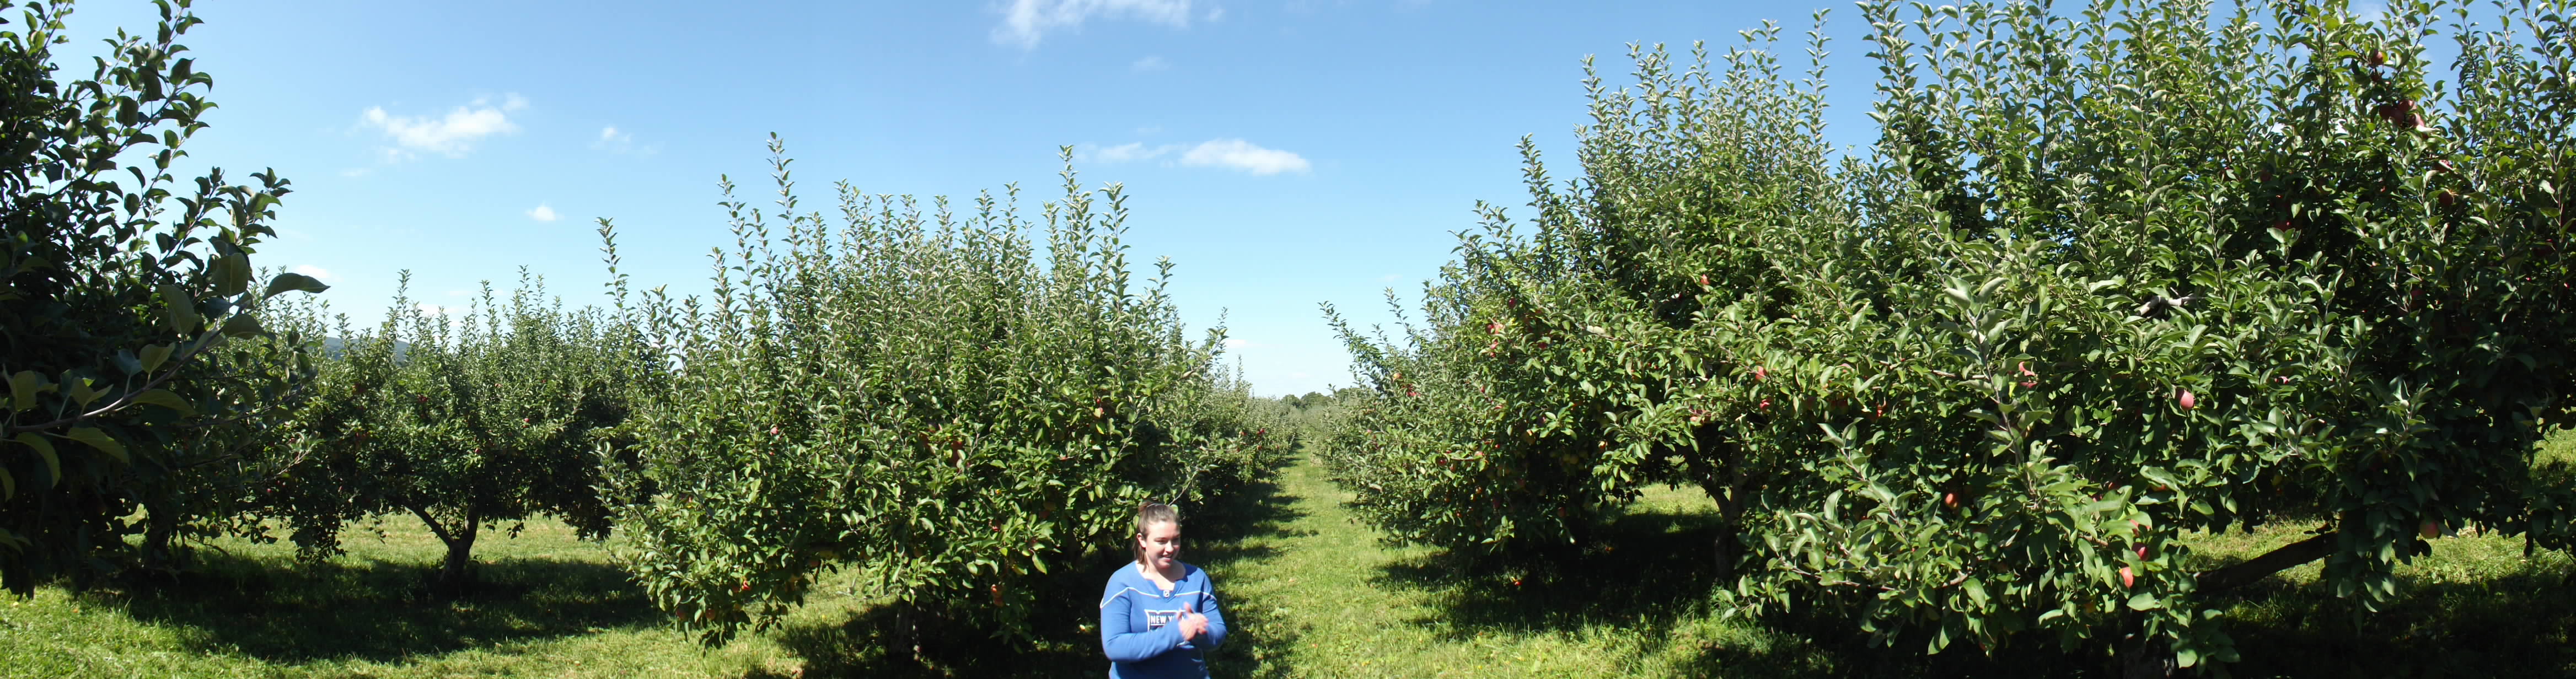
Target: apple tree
[
  {"x": 914, "y": 390},
  {"x": 120, "y": 289},
  {"x": 466, "y": 419},
  {"x": 2114, "y": 276}
]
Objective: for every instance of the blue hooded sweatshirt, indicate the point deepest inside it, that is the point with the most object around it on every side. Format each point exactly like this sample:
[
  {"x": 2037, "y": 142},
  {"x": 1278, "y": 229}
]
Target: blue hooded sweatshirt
[{"x": 1138, "y": 625}]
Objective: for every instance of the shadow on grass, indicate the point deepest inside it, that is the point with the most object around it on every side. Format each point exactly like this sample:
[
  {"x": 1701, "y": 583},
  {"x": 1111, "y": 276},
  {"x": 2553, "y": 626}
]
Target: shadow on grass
[
  {"x": 1219, "y": 535},
  {"x": 1648, "y": 574},
  {"x": 2514, "y": 623},
  {"x": 380, "y": 611}
]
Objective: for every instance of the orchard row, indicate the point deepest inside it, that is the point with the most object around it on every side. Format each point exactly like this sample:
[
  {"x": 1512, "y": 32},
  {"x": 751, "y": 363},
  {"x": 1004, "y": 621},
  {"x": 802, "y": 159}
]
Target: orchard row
[
  {"x": 2111, "y": 276},
  {"x": 929, "y": 397}
]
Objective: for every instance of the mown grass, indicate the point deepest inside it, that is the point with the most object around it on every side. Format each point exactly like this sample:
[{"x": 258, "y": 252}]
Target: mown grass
[
  {"x": 551, "y": 605},
  {"x": 1309, "y": 592}
]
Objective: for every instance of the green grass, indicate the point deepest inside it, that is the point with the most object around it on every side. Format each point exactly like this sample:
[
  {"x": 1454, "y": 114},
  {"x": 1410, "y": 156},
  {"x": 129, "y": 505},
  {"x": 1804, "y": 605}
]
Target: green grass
[
  {"x": 1310, "y": 593},
  {"x": 554, "y": 607}
]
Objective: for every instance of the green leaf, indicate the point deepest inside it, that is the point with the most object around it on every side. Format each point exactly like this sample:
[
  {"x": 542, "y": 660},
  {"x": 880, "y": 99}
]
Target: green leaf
[
  {"x": 154, "y": 355},
  {"x": 181, "y": 309},
  {"x": 23, "y": 388},
  {"x": 81, "y": 392},
  {"x": 45, "y": 450},
  {"x": 232, "y": 273},
  {"x": 2143, "y": 601},
  {"x": 293, "y": 281},
  {"x": 242, "y": 325},
  {"x": 101, "y": 441},
  {"x": 165, "y": 399}
]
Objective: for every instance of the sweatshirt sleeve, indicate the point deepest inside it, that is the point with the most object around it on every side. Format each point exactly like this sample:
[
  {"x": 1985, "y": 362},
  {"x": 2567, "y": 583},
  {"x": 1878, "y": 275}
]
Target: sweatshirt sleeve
[
  {"x": 1216, "y": 618},
  {"x": 1116, "y": 617}
]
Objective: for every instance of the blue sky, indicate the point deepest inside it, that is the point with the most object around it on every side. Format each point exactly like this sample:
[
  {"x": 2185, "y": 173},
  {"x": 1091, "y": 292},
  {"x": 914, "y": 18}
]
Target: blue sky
[{"x": 1281, "y": 153}]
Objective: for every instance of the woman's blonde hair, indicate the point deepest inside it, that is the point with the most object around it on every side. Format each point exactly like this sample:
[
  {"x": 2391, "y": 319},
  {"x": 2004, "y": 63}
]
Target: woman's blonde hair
[{"x": 1147, "y": 513}]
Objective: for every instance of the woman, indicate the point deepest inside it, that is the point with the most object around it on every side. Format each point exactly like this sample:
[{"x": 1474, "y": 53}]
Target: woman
[{"x": 1159, "y": 615}]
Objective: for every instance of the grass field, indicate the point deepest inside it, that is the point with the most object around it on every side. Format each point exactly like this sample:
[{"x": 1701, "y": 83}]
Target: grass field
[{"x": 1310, "y": 593}]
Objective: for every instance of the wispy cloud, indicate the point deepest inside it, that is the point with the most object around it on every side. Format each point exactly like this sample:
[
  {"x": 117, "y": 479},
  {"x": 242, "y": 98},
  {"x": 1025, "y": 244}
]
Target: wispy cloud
[
  {"x": 1025, "y": 22},
  {"x": 1127, "y": 152},
  {"x": 614, "y": 140},
  {"x": 318, "y": 273},
  {"x": 1153, "y": 63},
  {"x": 451, "y": 135},
  {"x": 1242, "y": 155},
  {"x": 1234, "y": 154},
  {"x": 543, "y": 213}
]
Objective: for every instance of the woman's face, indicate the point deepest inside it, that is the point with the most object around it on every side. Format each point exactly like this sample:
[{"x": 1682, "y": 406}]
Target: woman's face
[{"x": 1161, "y": 543}]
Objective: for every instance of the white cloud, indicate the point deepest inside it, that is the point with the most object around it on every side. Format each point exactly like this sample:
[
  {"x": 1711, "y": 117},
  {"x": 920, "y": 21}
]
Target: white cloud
[
  {"x": 1228, "y": 153},
  {"x": 428, "y": 309},
  {"x": 1127, "y": 152},
  {"x": 1242, "y": 155},
  {"x": 318, "y": 273},
  {"x": 451, "y": 135},
  {"x": 543, "y": 213},
  {"x": 615, "y": 140},
  {"x": 1236, "y": 342},
  {"x": 1024, "y": 22},
  {"x": 1152, "y": 63}
]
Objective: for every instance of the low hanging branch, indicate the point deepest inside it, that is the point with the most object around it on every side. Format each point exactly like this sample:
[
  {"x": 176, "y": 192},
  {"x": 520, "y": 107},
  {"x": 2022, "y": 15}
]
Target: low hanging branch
[{"x": 2279, "y": 559}]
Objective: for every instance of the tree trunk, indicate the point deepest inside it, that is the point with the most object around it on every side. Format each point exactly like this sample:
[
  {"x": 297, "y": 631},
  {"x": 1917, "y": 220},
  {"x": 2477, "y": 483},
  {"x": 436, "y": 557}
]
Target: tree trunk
[
  {"x": 906, "y": 642},
  {"x": 160, "y": 535},
  {"x": 457, "y": 570},
  {"x": 1730, "y": 497}
]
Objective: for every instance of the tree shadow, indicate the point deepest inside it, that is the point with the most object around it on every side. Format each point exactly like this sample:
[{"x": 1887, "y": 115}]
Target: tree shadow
[
  {"x": 1650, "y": 573},
  {"x": 1643, "y": 568},
  {"x": 2519, "y": 622},
  {"x": 1221, "y": 534},
  {"x": 378, "y": 611}
]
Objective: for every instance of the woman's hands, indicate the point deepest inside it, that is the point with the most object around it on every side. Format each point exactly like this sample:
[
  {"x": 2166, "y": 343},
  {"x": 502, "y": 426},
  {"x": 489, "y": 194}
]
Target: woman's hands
[{"x": 1192, "y": 624}]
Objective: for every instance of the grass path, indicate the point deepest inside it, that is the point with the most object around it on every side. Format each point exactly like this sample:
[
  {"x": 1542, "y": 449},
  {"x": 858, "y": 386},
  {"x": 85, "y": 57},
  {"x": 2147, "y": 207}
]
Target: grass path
[{"x": 1315, "y": 594}]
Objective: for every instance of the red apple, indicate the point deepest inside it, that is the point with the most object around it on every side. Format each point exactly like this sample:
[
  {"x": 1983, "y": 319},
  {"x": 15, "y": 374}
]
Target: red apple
[
  {"x": 1760, "y": 373},
  {"x": 2127, "y": 579},
  {"x": 2187, "y": 400},
  {"x": 1950, "y": 499},
  {"x": 2431, "y": 529}
]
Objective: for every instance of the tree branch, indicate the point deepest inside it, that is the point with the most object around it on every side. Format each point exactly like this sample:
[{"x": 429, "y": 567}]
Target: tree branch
[{"x": 2279, "y": 559}]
